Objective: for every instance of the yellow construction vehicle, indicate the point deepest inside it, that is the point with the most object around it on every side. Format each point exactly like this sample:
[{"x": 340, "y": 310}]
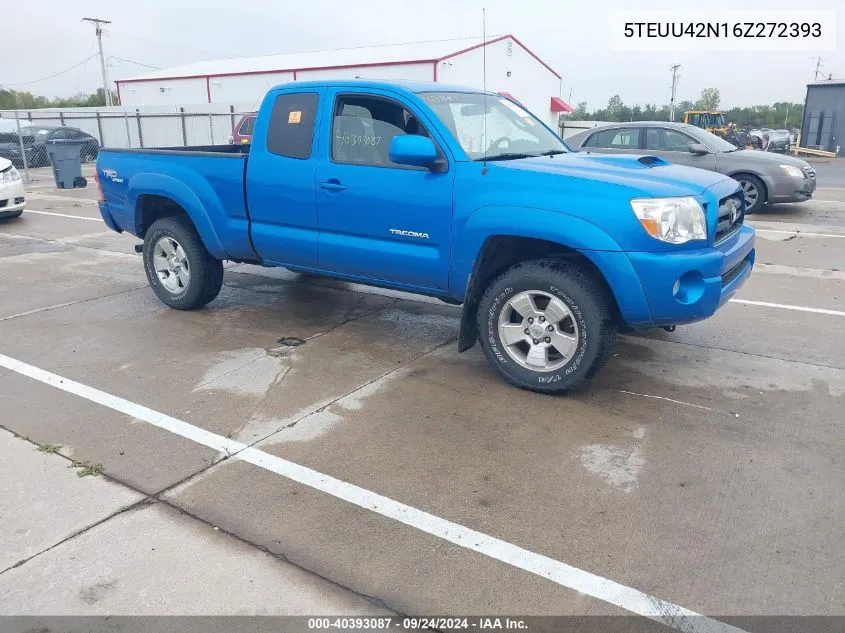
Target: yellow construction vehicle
[{"x": 710, "y": 120}]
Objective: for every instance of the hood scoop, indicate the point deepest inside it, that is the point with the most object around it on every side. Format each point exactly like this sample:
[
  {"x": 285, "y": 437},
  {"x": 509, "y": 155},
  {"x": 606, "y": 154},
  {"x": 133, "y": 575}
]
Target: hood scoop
[{"x": 651, "y": 161}]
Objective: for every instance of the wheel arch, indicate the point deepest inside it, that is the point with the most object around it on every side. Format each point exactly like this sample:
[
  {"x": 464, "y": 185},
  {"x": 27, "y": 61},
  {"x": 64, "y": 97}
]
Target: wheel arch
[
  {"x": 501, "y": 252},
  {"x": 157, "y": 195},
  {"x": 747, "y": 172}
]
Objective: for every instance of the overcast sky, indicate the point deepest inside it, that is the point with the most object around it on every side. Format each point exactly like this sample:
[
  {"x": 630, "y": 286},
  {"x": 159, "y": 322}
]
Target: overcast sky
[{"x": 46, "y": 36}]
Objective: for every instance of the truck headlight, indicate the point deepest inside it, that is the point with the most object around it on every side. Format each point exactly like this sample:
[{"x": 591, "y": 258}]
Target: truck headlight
[
  {"x": 672, "y": 220},
  {"x": 792, "y": 170}
]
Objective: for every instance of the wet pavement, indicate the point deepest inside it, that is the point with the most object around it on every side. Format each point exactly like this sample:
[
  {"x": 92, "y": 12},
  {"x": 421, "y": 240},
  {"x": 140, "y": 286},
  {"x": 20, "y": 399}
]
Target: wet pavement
[{"x": 703, "y": 467}]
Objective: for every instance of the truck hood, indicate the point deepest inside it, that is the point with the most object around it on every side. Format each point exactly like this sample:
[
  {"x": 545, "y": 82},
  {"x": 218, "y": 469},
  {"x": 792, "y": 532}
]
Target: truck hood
[{"x": 642, "y": 175}]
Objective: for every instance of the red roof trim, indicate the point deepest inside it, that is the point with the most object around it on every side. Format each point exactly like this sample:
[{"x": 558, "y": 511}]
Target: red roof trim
[
  {"x": 369, "y": 65},
  {"x": 278, "y": 70},
  {"x": 499, "y": 39}
]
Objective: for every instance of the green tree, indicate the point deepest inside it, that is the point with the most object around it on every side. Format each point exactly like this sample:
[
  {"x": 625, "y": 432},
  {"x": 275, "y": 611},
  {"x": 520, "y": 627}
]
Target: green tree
[{"x": 709, "y": 99}]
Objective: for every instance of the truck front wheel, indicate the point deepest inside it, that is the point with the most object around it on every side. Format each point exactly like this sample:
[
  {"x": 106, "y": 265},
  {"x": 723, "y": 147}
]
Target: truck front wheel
[
  {"x": 546, "y": 325},
  {"x": 182, "y": 273}
]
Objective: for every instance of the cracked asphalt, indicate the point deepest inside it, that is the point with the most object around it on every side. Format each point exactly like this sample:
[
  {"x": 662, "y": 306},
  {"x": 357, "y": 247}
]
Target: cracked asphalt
[{"x": 703, "y": 467}]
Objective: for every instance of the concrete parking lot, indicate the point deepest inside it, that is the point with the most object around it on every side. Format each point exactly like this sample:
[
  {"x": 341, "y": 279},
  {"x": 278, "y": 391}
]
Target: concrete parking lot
[{"x": 373, "y": 469}]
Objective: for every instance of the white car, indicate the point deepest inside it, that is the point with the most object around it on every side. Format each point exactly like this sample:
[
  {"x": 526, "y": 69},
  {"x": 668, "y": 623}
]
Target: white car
[{"x": 12, "y": 197}]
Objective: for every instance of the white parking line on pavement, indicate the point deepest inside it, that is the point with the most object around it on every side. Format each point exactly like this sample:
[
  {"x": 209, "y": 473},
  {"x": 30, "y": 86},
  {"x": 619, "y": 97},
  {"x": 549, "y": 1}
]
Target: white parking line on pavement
[
  {"x": 63, "y": 215},
  {"x": 36, "y": 196},
  {"x": 784, "y": 306},
  {"x": 614, "y": 593},
  {"x": 798, "y": 233}
]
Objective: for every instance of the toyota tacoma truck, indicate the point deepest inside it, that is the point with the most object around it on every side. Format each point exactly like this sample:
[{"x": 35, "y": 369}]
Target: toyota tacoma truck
[{"x": 448, "y": 192}]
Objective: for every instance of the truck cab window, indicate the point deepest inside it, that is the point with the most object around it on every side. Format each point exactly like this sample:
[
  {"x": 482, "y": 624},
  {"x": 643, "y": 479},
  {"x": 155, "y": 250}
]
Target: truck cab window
[
  {"x": 364, "y": 126},
  {"x": 291, "y": 129}
]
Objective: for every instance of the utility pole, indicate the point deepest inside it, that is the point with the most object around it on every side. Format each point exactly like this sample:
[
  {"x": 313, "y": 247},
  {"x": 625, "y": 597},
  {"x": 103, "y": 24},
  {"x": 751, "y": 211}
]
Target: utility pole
[
  {"x": 674, "y": 89},
  {"x": 819, "y": 61},
  {"x": 98, "y": 29}
]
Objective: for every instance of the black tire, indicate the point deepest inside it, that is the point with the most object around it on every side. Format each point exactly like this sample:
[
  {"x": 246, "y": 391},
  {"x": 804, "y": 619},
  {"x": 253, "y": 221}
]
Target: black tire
[
  {"x": 206, "y": 272},
  {"x": 758, "y": 184},
  {"x": 591, "y": 308}
]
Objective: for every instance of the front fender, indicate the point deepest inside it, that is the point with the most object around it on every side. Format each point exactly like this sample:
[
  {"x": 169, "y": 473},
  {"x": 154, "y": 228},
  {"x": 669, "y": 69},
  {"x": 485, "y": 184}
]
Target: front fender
[
  {"x": 552, "y": 226},
  {"x": 195, "y": 201},
  {"x": 515, "y": 221}
]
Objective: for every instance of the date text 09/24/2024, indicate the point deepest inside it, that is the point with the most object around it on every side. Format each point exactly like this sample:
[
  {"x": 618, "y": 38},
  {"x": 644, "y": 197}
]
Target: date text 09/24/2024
[{"x": 419, "y": 623}]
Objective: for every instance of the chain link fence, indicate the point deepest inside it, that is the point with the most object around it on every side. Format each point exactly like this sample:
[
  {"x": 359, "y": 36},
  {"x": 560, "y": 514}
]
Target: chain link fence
[{"x": 24, "y": 134}]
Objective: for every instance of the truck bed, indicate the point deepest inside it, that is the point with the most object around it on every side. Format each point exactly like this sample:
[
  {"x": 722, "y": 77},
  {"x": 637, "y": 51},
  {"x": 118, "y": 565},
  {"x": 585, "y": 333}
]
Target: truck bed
[
  {"x": 209, "y": 189},
  {"x": 219, "y": 151}
]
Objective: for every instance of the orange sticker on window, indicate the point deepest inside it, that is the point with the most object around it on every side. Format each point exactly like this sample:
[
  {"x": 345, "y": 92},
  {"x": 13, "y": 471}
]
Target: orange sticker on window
[{"x": 295, "y": 117}]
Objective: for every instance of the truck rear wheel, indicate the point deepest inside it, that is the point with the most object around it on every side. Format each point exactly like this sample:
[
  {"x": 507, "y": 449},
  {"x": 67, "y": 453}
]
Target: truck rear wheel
[
  {"x": 546, "y": 325},
  {"x": 182, "y": 273}
]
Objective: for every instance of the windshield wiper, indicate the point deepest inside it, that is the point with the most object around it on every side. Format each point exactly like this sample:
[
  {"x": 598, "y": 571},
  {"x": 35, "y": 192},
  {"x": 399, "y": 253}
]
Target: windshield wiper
[
  {"x": 507, "y": 156},
  {"x": 552, "y": 152}
]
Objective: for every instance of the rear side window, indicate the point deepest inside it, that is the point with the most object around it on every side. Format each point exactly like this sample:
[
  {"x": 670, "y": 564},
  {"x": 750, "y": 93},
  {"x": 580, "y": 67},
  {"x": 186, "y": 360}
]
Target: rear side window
[
  {"x": 625, "y": 138},
  {"x": 291, "y": 130}
]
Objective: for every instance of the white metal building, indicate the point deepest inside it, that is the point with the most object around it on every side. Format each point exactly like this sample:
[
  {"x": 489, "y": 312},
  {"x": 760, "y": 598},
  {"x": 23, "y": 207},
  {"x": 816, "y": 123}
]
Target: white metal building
[{"x": 512, "y": 69}]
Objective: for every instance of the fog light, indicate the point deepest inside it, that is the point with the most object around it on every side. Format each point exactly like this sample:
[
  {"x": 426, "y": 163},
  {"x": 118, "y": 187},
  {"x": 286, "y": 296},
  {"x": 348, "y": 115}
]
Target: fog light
[
  {"x": 689, "y": 287},
  {"x": 18, "y": 200}
]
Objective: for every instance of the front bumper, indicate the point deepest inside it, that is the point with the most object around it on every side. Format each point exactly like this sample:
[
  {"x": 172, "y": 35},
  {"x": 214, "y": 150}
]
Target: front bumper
[
  {"x": 691, "y": 285},
  {"x": 793, "y": 190},
  {"x": 12, "y": 198}
]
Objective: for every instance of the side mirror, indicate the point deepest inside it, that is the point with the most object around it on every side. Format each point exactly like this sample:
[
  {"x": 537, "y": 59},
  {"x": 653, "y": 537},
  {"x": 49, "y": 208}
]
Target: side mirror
[
  {"x": 414, "y": 150},
  {"x": 698, "y": 148}
]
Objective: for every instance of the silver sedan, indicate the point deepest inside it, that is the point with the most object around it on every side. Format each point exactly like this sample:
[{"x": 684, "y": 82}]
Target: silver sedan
[{"x": 765, "y": 177}]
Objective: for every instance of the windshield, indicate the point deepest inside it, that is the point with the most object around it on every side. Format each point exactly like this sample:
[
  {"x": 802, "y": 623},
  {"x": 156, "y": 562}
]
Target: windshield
[{"x": 492, "y": 128}]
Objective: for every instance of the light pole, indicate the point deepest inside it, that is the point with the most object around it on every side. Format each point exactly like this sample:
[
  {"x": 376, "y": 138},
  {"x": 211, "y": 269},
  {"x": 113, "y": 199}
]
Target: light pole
[
  {"x": 98, "y": 29},
  {"x": 674, "y": 89}
]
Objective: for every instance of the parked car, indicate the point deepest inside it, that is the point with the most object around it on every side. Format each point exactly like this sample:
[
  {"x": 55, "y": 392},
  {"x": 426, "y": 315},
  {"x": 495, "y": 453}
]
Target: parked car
[
  {"x": 764, "y": 177},
  {"x": 41, "y": 134},
  {"x": 10, "y": 148},
  {"x": 242, "y": 132},
  {"x": 779, "y": 141},
  {"x": 12, "y": 196},
  {"x": 397, "y": 185}
]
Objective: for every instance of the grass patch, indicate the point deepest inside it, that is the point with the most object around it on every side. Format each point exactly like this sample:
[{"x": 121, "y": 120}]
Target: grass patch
[
  {"x": 87, "y": 469},
  {"x": 50, "y": 449}
]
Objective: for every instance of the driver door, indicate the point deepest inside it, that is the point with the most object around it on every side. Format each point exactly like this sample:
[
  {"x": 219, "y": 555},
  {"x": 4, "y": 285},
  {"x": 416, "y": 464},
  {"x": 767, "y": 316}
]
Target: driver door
[{"x": 379, "y": 220}]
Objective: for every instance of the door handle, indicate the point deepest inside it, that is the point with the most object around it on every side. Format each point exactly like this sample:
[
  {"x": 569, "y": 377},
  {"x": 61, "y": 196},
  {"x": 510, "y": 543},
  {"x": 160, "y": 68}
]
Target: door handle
[{"x": 332, "y": 185}]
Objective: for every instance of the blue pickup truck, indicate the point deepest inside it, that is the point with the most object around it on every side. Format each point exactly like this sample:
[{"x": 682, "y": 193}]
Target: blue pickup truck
[{"x": 448, "y": 192}]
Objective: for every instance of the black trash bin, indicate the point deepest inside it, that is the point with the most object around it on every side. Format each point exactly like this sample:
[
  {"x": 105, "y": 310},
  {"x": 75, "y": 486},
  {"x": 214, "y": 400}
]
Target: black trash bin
[{"x": 67, "y": 163}]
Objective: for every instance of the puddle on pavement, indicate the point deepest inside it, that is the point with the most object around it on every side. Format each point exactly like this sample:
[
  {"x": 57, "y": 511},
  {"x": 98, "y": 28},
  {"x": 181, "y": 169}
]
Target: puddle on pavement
[
  {"x": 617, "y": 465},
  {"x": 251, "y": 371}
]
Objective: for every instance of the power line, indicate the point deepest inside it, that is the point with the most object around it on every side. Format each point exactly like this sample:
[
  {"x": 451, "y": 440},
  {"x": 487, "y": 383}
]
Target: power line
[
  {"x": 61, "y": 72},
  {"x": 132, "y": 61}
]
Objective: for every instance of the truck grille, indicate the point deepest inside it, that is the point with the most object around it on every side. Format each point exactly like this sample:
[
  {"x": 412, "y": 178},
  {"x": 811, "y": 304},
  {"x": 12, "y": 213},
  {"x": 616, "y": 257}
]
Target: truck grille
[
  {"x": 3, "y": 203},
  {"x": 731, "y": 211}
]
